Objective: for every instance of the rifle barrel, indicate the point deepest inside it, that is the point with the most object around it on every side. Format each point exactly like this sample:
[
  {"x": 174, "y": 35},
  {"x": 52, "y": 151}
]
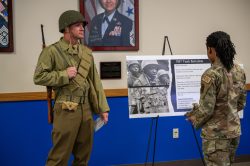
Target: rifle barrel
[
  {"x": 49, "y": 88},
  {"x": 43, "y": 39}
]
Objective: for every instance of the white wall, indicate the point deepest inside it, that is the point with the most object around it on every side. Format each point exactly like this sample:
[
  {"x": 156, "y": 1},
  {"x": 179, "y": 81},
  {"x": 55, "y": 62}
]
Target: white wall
[{"x": 187, "y": 24}]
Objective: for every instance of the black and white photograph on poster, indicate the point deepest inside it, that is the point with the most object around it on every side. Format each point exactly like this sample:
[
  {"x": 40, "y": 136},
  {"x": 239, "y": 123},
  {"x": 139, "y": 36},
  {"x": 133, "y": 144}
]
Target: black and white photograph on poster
[
  {"x": 148, "y": 100},
  {"x": 164, "y": 85},
  {"x": 148, "y": 82}
]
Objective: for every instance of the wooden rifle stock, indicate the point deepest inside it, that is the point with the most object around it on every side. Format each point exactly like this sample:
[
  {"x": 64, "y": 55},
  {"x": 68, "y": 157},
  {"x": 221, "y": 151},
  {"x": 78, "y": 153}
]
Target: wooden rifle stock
[
  {"x": 49, "y": 100},
  {"x": 49, "y": 88}
]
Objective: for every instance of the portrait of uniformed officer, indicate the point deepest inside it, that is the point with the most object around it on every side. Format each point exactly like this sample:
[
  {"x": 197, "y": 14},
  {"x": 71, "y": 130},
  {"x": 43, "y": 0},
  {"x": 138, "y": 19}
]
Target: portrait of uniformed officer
[{"x": 110, "y": 28}]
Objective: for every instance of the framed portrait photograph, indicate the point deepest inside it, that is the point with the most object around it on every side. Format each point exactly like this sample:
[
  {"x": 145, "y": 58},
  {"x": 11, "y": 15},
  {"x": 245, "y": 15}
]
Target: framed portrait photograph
[
  {"x": 6, "y": 26},
  {"x": 113, "y": 25}
]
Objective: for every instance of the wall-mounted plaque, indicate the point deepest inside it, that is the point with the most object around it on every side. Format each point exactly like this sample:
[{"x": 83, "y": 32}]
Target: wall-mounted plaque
[{"x": 110, "y": 70}]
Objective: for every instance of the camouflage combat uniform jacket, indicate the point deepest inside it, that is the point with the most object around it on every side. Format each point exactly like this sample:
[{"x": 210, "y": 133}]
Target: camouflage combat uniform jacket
[
  {"x": 51, "y": 71},
  {"x": 223, "y": 94}
]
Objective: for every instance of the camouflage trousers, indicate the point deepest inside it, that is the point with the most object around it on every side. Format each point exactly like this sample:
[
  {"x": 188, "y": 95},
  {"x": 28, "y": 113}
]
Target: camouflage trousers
[{"x": 219, "y": 152}]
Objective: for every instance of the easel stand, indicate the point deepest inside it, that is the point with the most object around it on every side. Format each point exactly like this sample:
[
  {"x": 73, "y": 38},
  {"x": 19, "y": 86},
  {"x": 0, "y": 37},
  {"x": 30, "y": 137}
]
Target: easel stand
[
  {"x": 197, "y": 143},
  {"x": 149, "y": 139},
  {"x": 156, "y": 118}
]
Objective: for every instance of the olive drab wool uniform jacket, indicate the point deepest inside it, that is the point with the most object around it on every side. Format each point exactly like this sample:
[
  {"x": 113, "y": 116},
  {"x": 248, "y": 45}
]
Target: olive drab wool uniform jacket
[
  {"x": 51, "y": 71},
  {"x": 223, "y": 94}
]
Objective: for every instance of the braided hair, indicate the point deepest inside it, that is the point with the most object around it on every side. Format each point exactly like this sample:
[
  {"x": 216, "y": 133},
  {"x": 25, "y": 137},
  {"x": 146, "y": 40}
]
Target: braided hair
[{"x": 224, "y": 48}]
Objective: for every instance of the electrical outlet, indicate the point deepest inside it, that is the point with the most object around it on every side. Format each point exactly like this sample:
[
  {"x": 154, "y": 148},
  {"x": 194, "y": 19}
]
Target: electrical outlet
[{"x": 175, "y": 133}]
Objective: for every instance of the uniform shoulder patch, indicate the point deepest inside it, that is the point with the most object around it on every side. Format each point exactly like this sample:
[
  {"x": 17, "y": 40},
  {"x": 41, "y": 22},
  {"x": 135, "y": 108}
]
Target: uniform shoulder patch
[{"x": 206, "y": 79}]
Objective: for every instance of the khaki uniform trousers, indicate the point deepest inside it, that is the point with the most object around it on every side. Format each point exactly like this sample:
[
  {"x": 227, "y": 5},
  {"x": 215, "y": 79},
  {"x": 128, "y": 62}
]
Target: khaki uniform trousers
[
  {"x": 72, "y": 133},
  {"x": 220, "y": 152}
]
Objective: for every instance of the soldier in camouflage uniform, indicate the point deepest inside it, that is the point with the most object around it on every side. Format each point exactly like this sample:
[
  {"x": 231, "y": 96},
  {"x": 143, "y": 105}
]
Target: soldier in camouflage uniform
[
  {"x": 222, "y": 96},
  {"x": 68, "y": 67}
]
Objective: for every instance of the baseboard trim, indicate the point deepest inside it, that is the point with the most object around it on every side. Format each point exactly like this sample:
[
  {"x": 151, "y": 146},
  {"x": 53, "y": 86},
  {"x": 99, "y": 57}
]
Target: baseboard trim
[{"x": 242, "y": 158}]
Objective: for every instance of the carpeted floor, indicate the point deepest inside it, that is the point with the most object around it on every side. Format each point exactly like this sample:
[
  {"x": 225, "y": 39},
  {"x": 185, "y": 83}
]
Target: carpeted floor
[
  {"x": 242, "y": 164},
  {"x": 175, "y": 164},
  {"x": 240, "y": 161}
]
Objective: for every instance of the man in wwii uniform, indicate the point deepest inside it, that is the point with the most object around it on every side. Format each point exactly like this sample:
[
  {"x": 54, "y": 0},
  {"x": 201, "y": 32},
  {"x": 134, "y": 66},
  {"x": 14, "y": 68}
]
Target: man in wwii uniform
[
  {"x": 149, "y": 73},
  {"x": 110, "y": 28},
  {"x": 136, "y": 100},
  {"x": 69, "y": 68},
  {"x": 222, "y": 95},
  {"x": 134, "y": 71},
  {"x": 163, "y": 78}
]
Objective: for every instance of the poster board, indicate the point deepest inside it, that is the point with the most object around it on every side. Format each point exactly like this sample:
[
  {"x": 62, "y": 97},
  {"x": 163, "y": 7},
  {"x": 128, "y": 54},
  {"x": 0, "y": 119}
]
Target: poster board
[{"x": 152, "y": 97}]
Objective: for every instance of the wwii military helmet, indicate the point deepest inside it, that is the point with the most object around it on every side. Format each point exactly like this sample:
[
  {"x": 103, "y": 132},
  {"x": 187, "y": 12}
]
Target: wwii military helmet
[
  {"x": 161, "y": 72},
  {"x": 163, "y": 76},
  {"x": 133, "y": 62},
  {"x": 149, "y": 63},
  {"x": 70, "y": 17}
]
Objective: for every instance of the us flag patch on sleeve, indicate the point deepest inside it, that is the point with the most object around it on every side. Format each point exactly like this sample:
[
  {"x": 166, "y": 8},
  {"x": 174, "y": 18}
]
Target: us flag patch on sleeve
[{"x": 206, "y": 79}]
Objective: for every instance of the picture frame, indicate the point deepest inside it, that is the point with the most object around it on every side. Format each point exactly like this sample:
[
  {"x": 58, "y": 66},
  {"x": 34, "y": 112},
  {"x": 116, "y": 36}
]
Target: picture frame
[
  {"x": 6, "y": 26},
  {"x": 122, "y": 33}
]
